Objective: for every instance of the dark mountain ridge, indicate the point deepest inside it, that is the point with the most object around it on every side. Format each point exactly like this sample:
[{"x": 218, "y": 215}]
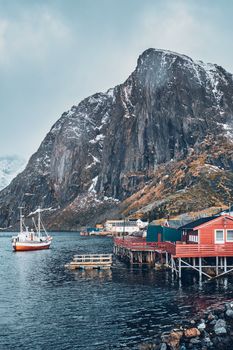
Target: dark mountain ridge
[{"x": 116, "y": 144}]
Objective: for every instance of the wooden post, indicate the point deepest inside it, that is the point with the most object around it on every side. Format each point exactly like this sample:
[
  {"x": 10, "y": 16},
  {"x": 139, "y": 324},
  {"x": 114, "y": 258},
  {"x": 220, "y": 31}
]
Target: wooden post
[
  {"x": 179, "y": 267},
  {"x": 225, "y": 264},
  {"x": 166, "y": 258},
  {"x": 131, "y": 257},
  {"x": 200, "y": 269},
  {"x": 172, "y": 265},
  {"x": 216, "y": 265},
  {"x": 194, "y": 262},
  {"x": 150, "y": 258}
]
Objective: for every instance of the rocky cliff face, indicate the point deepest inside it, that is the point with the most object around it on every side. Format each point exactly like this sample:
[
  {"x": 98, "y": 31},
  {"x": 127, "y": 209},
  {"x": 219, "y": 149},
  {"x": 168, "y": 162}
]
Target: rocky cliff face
[{"x": 114, "y": 146}]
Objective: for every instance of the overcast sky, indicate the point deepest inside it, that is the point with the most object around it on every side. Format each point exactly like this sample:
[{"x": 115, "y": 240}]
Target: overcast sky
[{"x": 53, "y": 53}]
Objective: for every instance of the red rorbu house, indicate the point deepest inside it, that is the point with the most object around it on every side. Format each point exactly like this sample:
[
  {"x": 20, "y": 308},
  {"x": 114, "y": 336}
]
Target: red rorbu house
[
  {"x": 208, "y": 238},
  {"x": 209, "y": 235}
]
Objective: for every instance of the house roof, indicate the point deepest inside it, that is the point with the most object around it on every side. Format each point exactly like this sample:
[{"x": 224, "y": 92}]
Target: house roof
[
  {"x": 226, "y": 211},
  {"x": 203, "y": 221},
  {"x": 197, "y": 222},
  {"x": 215, "y": 218}
]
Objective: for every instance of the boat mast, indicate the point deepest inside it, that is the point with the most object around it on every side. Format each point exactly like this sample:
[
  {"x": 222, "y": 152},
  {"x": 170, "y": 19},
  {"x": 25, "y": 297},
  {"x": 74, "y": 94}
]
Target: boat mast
[
  {"x": 21, "y": 218},
  {"x": 39, "y": 221}
]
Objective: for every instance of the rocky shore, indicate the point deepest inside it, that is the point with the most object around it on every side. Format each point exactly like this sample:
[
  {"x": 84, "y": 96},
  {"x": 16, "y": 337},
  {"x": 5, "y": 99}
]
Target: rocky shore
[{"x": 214, "y": 330}]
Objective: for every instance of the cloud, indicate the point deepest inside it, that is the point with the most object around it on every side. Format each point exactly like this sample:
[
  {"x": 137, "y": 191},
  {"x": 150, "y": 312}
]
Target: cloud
[
  {"x": 175, "y": 27},
  {"x": 3, "y": 28},
  {"x": 31, "y": 37},
  {"x": 54, "y": 53}
]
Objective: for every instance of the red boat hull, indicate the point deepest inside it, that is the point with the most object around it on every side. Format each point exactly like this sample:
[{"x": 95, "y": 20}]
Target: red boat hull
[{"x": 21, "y": 247}]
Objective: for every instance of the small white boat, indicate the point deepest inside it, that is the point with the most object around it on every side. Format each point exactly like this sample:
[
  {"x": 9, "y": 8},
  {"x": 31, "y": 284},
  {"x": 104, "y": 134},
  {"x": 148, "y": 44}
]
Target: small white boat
[{"x": 31, "y": 240}]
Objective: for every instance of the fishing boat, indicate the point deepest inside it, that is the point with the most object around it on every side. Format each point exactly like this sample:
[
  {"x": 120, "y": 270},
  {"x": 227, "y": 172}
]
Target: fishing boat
[
  {"x": 36, "y": 239},
  {"x": 84, "y": 233}
]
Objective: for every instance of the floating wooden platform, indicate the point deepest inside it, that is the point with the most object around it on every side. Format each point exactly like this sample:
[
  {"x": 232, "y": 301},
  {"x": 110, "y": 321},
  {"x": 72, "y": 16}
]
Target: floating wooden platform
[{"x": 91, "y": 261}]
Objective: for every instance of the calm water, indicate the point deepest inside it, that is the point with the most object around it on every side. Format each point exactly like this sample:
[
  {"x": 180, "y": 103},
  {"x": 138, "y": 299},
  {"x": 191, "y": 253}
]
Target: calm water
[{"x": 45, "y": 306}]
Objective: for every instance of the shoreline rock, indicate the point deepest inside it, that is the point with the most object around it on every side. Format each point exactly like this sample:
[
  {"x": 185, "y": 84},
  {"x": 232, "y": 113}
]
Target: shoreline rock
[{"x": 213, "y": 331}]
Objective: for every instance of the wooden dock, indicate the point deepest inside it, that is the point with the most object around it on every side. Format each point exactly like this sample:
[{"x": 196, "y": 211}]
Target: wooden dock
[
  {"x": 177, "y": 256},
  {"x": 90, "y": 261},
  {"x": 138, "y": 251}
]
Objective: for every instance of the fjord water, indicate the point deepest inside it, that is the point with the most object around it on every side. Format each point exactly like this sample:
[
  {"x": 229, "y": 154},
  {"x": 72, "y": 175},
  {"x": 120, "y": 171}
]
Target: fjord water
[{"x": 45, "y": 306}]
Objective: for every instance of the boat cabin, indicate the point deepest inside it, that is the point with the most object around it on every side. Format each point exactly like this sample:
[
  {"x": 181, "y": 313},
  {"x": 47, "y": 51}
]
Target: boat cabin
[{"x": 209, "y": 230}]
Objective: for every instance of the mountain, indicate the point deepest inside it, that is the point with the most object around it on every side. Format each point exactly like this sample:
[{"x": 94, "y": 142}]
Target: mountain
[
  {"x": 160, "y": 143},
  {"x": 10, "y": 166}
]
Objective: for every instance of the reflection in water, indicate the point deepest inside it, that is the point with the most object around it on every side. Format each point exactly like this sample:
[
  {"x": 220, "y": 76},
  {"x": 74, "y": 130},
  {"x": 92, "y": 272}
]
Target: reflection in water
[
  {"x": 43, "y": 304},
  {"x": 100, "y": 275}
]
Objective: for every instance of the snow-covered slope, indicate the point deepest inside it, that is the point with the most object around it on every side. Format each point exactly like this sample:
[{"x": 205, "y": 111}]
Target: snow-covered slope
[{"x": 10, "y": 166}]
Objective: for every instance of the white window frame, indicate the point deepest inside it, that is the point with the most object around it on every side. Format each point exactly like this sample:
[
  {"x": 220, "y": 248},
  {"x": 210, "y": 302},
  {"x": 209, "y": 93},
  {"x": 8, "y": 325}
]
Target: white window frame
[
  {"x": 193, "y": 238},
  {"x": 218, "y": 242},
  {"x": 228, "y": 240}
]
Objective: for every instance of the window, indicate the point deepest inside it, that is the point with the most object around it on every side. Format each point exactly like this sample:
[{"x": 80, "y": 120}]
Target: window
[
  {"x": 229, "y": 235},
  {"x": 219, "y": 236},
  {"x": 193, "y": 238}
]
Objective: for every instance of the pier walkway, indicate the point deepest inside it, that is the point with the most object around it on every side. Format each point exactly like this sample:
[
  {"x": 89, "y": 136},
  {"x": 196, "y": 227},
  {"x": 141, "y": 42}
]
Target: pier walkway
[
  {"x": 137, "y": 250},
  {"x": 210, "y": 260}
]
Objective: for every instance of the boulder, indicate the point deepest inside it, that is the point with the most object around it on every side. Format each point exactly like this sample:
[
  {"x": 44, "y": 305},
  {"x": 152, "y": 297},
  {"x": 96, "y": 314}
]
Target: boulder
[
  {"x": 201, "y": 326},
  {"x": 163, "y": 346},
  {"x": 195, "y": 341},
  {"x": 211, "y": 317},
  {"x": 174, "y": 340},
  {"x": 191, "y": 333},
  {"x": 220, "y": 327},
  {"x": 229, "y": 313},
  {"x": 229, "y": 306}
]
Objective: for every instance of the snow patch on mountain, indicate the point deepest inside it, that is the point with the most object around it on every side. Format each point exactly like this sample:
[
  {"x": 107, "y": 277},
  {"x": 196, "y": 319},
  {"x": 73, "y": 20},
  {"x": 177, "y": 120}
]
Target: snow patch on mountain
[{"x": 10, "y": 166}]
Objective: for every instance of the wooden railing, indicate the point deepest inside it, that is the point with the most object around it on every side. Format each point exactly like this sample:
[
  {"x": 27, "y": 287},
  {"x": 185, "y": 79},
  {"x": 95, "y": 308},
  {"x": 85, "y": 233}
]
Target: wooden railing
[
  {"x": 139, "y": 244},
  {"x": 177, "y": 249},
  {"x": 203, "y": 250},
  {"x": 170, "y": 248},
  {"x": 93, "y": 258}
]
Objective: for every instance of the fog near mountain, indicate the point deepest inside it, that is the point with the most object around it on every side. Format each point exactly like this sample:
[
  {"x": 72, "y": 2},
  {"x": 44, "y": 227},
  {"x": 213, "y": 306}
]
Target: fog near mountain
[{"x": 10, "y": 166}]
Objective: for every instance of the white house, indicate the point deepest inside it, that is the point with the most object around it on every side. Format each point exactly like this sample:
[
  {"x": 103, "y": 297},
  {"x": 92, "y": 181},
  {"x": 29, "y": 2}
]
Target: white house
[{"x": 127, "y": 226}]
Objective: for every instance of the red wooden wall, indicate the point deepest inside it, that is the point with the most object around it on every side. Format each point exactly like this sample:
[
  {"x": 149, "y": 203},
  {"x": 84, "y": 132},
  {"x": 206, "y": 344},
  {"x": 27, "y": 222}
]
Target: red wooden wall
[{"x": 207, "y": 231}]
